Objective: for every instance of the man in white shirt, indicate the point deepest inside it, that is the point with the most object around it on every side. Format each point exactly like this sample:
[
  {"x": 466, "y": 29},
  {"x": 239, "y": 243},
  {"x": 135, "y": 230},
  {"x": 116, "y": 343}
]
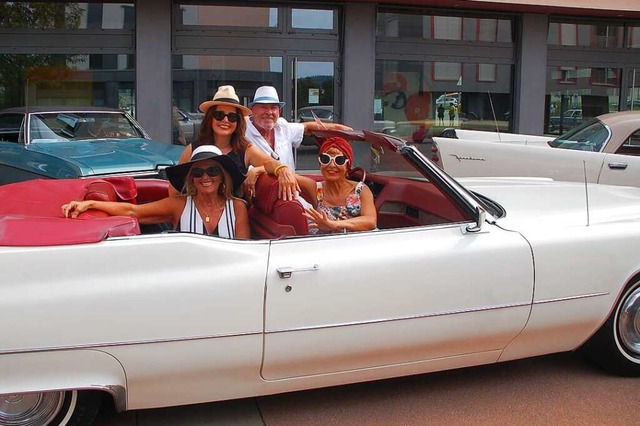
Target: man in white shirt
[{"x": 272, "y": 133}]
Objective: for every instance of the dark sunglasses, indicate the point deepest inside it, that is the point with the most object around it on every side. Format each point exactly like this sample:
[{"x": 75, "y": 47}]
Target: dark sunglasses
[
  {"x": 339, "y": 159},
  {"x": 233, "y": 117},
  {"x": 212, "y": 171}
]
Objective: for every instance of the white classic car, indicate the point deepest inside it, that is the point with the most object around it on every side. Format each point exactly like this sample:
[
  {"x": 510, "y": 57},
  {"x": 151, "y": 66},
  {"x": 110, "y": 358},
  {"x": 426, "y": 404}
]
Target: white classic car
[
  {"x": 605, "y": 149},
  {"x": 458, "y": 274}
]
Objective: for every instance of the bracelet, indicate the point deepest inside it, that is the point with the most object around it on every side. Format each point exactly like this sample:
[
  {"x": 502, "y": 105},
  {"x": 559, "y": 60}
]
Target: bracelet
[{"x": 275, "y": 171}]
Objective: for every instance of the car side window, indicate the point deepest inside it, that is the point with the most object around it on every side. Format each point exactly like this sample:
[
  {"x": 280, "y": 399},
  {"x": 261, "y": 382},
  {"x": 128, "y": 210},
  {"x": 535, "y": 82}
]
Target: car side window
[
  {"x": 10, "y": 127},
  {"x": 631, "y": 146}
]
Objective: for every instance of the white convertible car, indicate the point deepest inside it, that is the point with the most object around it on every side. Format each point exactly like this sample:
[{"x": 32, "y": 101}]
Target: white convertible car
[
  {"x": 458, "y": 274},
  {"x": 605, "y": 149}
]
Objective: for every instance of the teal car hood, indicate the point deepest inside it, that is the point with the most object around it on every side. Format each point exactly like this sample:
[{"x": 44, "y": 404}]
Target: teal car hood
[{"x": 107, "y": 156}]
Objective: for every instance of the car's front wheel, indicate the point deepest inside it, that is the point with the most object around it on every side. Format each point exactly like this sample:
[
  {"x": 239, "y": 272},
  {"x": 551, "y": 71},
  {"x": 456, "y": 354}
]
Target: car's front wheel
[
  {"x": 64, "y": 408},
  {"x": 616, "y": 346}
]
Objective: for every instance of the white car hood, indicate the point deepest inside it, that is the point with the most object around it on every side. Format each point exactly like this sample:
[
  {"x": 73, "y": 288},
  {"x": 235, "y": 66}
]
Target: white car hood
[{"x": 550, "y": 203}]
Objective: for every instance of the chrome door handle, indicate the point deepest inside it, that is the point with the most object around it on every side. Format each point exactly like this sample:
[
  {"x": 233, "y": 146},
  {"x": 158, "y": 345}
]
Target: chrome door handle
[
  {"x": 286, "y": 271},
  {"x": 618, "y": 166}
]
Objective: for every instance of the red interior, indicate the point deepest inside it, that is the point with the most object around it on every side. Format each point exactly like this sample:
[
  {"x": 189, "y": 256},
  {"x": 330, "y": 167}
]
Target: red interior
[{"x": 31, "y": 215}]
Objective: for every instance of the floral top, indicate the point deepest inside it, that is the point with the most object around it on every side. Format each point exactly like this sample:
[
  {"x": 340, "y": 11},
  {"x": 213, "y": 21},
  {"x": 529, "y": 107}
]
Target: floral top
[{"x": 353, "y": 207}]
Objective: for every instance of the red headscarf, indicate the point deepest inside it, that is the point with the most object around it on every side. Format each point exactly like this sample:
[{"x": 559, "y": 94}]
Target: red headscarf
[{"x": 339, "y": 143}]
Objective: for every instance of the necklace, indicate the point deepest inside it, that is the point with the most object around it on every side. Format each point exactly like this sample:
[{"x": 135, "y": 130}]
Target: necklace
[{"x": 209, "y": 211}]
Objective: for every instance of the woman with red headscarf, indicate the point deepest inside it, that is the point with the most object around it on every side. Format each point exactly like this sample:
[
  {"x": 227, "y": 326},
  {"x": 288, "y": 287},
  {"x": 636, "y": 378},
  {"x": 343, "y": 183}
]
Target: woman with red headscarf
[{"x": 340, "y": 204}]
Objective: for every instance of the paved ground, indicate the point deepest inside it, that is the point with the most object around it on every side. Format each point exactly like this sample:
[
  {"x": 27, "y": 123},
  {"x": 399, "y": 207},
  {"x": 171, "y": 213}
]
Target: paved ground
[{"x": 553, "y": 390}]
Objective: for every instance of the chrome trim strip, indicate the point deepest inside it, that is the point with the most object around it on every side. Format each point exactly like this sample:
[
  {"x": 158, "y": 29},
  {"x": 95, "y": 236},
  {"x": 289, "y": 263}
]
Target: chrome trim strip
[
  {"x": 407, "y": 318},
  {"x": 315, "y": 327},
  {"x": 440, "y": 314},
  {"x": 566, "y": 298},
  {"x": 117, "y": 392},
  {"x": 128, "y": 343}
]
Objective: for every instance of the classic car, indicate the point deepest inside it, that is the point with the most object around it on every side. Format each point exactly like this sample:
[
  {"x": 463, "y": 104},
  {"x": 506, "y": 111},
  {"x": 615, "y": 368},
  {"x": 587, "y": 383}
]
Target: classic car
[
  {"x": 568, "y": 120},
  {"x": 69, "y": 142},
  {"x": 605, "y": 149},
  {"x": 499, "y": 269}
]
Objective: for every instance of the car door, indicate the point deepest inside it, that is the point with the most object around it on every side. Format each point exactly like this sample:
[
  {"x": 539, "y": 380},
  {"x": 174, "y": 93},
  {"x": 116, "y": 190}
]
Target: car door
[
  {"x": 361, "y": 300},
  {"x": 623, "y": 167}
]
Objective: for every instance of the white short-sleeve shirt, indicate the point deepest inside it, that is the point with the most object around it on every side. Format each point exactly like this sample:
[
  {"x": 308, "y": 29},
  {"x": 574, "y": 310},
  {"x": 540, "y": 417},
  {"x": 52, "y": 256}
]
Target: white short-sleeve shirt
[{"x": 287, "y": 136}]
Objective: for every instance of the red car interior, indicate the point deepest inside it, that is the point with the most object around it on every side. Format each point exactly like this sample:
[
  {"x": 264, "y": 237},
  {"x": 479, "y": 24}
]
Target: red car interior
[{"x": 31, "y": 215}]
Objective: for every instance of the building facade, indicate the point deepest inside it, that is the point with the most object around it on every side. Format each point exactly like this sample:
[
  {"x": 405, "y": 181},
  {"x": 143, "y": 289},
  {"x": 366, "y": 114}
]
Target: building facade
[{"x": 406, "y": 67}]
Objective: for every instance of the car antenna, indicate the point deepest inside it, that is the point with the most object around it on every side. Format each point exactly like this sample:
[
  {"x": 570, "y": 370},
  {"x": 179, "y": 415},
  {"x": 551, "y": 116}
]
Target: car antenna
[
  {"x": 495, "y": 120},
  {"x": 586, "y": 189}
]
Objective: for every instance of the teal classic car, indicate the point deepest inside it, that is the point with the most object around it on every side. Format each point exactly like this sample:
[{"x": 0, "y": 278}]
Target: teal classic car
[{"x": 71, "y": 142}]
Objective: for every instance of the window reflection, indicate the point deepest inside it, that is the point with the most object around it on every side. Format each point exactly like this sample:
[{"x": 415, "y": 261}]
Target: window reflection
[
  {"x": 444, "y": 27},
  {"x": 45, "y": 79},
  {"x": 575, "y": 94},
  {"x": 418, "y": 100},
  {"x": 197, "y": 77},
  {"x": 633, "y": 39},
  {"x": 312, "y": 19},
  {"x": 228, "y": 16},
  {"x": 585, "y": 35},
  {"x": 66, "y": 15}
]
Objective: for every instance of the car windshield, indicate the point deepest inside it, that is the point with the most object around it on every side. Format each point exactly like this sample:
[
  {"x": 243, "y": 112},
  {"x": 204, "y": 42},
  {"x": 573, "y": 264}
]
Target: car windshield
[
  {"x": 75, "y": 126},
  {"x": 591, "y": 135}
]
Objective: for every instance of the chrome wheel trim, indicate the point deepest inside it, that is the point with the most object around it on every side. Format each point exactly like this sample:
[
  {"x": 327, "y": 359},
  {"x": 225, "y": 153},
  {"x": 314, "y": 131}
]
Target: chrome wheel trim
[
  {"x": 30, "y": 409},
  {"x": 628, "y": 325}
]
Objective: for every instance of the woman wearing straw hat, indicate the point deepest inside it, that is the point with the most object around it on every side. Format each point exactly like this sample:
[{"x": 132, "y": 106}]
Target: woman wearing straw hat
[
  {"x": 224, "y": 126},
  {"x": 206, "y": 204}
]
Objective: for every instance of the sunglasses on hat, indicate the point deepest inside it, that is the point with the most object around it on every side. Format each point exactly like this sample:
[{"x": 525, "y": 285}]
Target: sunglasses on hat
[
  {"x": 233, "y": 117},
  {"x": 339, "y": 159},
  {"x": 212, "y": 171}
]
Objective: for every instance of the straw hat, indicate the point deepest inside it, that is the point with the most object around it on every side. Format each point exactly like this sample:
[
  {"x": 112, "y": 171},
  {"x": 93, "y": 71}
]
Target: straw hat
[
  {"x": 266, "y": 95},
  {"x": 226, "y": 95},
  {"x": 177, "y": 174}
]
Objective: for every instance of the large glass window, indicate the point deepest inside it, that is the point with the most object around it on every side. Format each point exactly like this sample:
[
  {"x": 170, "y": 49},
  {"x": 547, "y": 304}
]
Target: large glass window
[
  {"x": 417, "y": 100},
  {"x": 422, "y": 88},
  {"x": 78, "y": 79}
]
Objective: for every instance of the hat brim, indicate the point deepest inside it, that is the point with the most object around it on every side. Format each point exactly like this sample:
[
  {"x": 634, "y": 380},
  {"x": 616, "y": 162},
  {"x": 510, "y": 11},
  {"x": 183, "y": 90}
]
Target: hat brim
[
  {"x": 204, "y": 107},
  {"x": 281, "y": 104},
  {"x": 178, "y": 174}
]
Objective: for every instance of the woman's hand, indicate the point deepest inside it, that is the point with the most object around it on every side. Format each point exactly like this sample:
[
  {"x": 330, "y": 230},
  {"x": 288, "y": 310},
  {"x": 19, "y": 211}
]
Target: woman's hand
[
  {"x": 322, "y": 220},
  {"x": 74, "y": 208},
  {"x": 249, "y": 184},
  {"x": 287, "y": 184}
]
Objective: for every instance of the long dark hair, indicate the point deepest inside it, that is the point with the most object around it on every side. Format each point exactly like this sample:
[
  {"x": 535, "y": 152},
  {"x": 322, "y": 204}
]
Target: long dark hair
[{"x": 239, "y": 143}]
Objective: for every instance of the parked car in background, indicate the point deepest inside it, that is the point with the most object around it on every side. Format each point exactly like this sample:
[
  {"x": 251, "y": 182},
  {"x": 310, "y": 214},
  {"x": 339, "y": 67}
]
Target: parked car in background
[
  {"x": 446, "y": 101},
  {"x": 186, "y": 126},
  {"x": 605, "y": 149},
  {"x": 500, "y": 269},
  {"x": 570, "y": 119},
  {"x": 68, "y": 142},
  {"x": 323, "y": 112}
]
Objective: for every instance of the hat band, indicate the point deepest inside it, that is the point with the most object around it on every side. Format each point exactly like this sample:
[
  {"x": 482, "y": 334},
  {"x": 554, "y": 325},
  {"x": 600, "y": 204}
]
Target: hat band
[
  {"x": 228, "y": 100},
  {"x": 268, "y": 99}
]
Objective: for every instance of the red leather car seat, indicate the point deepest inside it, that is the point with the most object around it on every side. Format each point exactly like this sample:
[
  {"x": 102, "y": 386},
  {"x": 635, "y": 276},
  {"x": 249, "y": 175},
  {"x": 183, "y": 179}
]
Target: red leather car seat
[{"x": 272, "y": 217}]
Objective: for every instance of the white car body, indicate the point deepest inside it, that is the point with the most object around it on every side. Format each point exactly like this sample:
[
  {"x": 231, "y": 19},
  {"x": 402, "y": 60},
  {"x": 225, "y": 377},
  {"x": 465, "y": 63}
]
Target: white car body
[
  {"x": 171, "y": 319},
  {"x": 615, "y": 161}
]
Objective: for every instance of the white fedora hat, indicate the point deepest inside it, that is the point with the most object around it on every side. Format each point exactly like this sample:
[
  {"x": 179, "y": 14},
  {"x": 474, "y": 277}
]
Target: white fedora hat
[
  {"x": 226, "y": 95},
  {"x": 266, "y": 95}
]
